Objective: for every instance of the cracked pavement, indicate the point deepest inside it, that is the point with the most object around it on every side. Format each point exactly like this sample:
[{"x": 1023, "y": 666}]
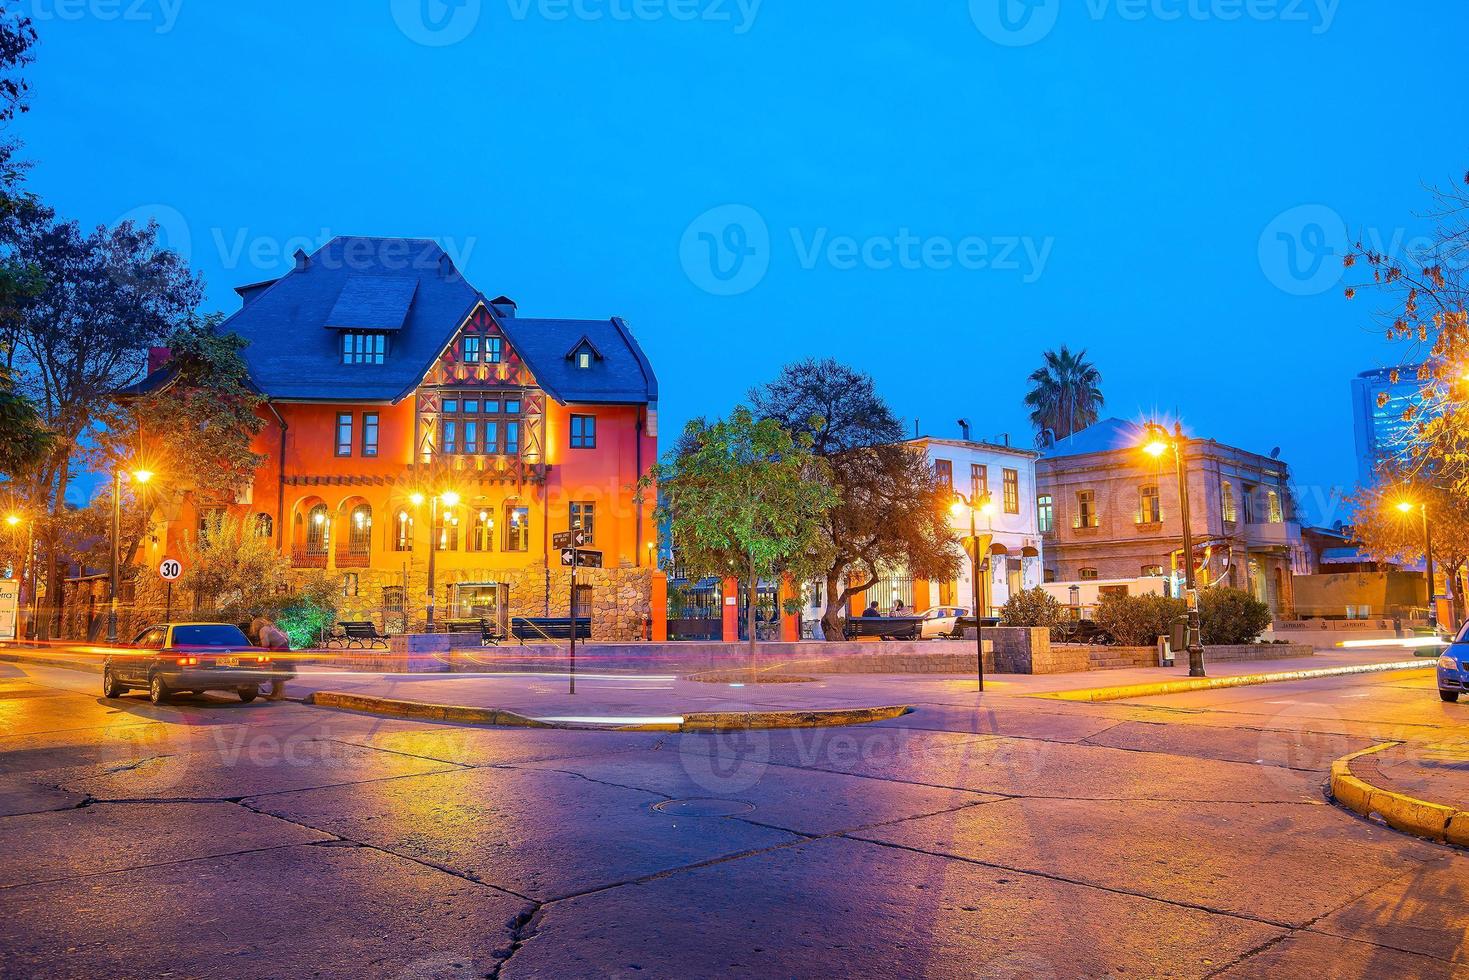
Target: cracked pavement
[{"x": 1186, "y": 835}]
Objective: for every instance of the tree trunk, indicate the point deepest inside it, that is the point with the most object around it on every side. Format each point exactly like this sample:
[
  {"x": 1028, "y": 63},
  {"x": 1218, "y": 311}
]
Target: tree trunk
[{"x": 832, "y": 616}]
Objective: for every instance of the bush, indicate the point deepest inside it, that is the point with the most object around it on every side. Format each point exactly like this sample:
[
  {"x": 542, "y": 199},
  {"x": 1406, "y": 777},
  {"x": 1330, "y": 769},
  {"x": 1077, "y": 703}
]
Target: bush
[
  {"x": 308, "y": 610},
  {"x": 1138, "y": 620},
  {"x": 1033, "y": 607},
  {"x": 1231, "y": 616}
]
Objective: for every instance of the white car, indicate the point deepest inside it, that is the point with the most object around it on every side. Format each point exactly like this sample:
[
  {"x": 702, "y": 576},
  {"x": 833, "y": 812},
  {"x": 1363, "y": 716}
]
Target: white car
[{"x": 940, "y": 622}]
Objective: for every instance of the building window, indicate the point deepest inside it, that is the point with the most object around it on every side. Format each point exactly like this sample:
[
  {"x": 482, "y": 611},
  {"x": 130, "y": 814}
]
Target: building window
[
  {"x": 318, "y": 527},
  {"x": 469, "y": 350},
  {"x": 479, "y": 423},
  {"x": 363, "y": 348},
  {"x": 1086, "y": 510},
  {"x": 349, "y": 584},
  {"x": 1226, "y": 502},
  {"x": 1275, "y": 512},
  {"x": 264, "y": 525},
  {"x": 583, "y": 359},
  {"x": 369, "y": 433},
  {"x": 517, "y": 529},
  {"x": 583, "y": 432},
  {"x": 1012, "y": 491},
  {"x": 482, "y": 533},
  {"x": 359, "y": 532},
  {"x": 394, "y": 598},
  {"x": 494, "y": 350},
  {"x": 943, "y": 470},
  {"x": 344, "y": 433},
  {"x": 446, "y": 534},
  {"x": 1088, "y": 575},
  {"x": 1045, "y": 513},
  {"x": 1152, "y": 571},
  {"x": 403, "y": 531},
  {"x": 1248, "y": 493},
  {"x": 584, "y": 516},
  {"x": 1149, "y": 506},
  {"x": 979, "y": 481},
  {"x": 207, "y": 517}
]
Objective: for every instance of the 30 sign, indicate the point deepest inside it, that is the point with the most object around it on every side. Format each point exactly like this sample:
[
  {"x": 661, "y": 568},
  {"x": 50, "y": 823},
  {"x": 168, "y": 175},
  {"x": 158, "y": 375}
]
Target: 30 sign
[{"x": 170, "y": 569}]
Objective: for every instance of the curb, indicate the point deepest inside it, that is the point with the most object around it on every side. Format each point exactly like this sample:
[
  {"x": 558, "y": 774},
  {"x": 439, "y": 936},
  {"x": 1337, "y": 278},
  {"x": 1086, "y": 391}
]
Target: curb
[
  {"x": 1215, "y": 683},
  {"x": 85, "y": 666},
  {"x": 699, "y": 721},
  {"x": 1431, "y": 821}
]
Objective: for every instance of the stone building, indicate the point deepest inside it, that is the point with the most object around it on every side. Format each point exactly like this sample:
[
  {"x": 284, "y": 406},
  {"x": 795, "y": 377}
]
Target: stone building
[
  {"x": 404, "y": 411},
  {"x": 1110, "y": 511}
]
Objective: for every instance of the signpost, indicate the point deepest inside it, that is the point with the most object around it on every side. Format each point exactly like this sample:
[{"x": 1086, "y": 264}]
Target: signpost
[
  {"x": 168, "y": 570},
  {"x": 574, "y": 557}
]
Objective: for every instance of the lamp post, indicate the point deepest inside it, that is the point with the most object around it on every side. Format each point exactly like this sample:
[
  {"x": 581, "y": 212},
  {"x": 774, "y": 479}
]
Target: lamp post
[
  {"x": 140, "y": 477},
  {"x": 1160, "y": 442},
  {"x": 28, "y": 569},
  {"x": 980, "y": 564},
  {"x": 450, "y": 499},
  {"x": 1407, "y": 507}
]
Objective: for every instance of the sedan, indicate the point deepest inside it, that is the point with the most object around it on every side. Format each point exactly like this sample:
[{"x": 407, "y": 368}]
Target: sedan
[
  {"x": 192, "y": 657},
  {"x": 941, "y": 622},
  {"x": 1453, "y": 667}
]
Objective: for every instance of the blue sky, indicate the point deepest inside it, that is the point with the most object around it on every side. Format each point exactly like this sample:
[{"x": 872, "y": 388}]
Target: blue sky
[{"x": 931, "y": 192}]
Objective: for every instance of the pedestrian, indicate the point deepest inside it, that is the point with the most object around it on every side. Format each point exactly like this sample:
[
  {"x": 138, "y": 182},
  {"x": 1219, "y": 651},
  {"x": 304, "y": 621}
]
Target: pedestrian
[
  {"x": 872, "y": 611},
  {"x": 271, "y": 637},
  {"x": 899, "y": 609}
]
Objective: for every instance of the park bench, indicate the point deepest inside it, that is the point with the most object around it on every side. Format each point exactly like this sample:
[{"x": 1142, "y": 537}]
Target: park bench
[
  {"x": 549, "y": 628},
  {"x": 357, "y": 634},
  {"x": 489, "y": 633},
  {"x": 883, "y": 627}
]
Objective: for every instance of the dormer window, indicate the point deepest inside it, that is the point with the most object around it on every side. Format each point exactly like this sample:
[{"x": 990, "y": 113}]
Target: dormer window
[
  {"x": 583, "y": 354},
  {"x": 583, "y": 359},
  {"x": 363, "y": 347}
]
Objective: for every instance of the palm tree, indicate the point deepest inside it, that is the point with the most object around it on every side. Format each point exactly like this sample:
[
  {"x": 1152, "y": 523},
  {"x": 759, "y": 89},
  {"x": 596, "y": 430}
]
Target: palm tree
[{"x": 1065, "y": 394}]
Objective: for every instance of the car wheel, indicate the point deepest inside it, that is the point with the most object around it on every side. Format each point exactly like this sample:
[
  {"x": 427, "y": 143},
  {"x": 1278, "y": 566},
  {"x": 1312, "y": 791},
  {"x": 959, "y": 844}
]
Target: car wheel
[
  {"x": 110, "y": 687},
  {"x": 248, "y": 694},
  {"x": 158, "y": 691},
  {"x": 1449, "y": 696}
]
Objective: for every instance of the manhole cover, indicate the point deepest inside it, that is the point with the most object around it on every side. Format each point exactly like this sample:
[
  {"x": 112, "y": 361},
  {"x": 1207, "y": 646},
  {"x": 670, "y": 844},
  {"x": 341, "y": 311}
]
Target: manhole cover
[{"x": 704, "y": 808}]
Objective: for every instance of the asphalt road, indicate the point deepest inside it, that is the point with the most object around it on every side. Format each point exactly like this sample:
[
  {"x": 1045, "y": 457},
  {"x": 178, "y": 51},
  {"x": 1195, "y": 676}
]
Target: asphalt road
[{"x": 1017, "y": 837}]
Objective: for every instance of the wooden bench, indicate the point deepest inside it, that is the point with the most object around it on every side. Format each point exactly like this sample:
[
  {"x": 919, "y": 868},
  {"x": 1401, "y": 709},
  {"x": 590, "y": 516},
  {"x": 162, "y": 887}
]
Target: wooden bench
[
  {"x": 549, "y": 628},
  {"x": 489, "y": 633},
  {"x": 883, "y": 627},
  {"x": 357, "y": 634}
]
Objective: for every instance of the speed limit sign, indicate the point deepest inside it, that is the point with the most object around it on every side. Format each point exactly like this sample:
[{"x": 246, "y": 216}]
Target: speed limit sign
[{"x": 170, "y": 569}]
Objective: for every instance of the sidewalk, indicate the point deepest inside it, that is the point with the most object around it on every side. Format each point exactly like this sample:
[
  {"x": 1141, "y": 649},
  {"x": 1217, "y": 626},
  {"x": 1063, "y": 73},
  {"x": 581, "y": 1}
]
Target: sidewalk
[{"x": 605, "y": 698}]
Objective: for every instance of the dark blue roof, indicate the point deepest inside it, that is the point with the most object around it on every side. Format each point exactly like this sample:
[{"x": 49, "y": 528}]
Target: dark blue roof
[{"x": 361, "y": 283}]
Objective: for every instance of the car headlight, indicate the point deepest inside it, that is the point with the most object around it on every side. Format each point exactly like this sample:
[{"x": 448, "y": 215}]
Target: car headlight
[{"x": 1447, "y": 663}]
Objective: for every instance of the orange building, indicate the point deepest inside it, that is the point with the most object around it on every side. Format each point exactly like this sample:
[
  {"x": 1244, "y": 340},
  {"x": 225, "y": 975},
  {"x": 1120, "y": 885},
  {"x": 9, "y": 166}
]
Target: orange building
[{"x": 404, "y": 410}]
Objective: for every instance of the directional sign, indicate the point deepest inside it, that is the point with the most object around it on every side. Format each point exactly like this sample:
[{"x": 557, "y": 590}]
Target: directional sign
[
  {"x": 569, "y": 539},
  {"x": 170, "y": 569},
  {"x": 580, "y": 558}
]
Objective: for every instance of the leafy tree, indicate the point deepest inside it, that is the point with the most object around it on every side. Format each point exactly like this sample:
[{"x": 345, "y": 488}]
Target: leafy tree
[
  {"x": 17, "y": 37},
  {"x": 1031, "y": 607},
  {"x": 1231, "y": 616},
  {"x": 24, "y": 438},
  {"x": 891, "y": 510},
  {"x": 107, "y": 296},
  {"x": 1392, "y": 536},
  {"x": 744, "y": 498},
  {"x": 1065, "y": 394}
]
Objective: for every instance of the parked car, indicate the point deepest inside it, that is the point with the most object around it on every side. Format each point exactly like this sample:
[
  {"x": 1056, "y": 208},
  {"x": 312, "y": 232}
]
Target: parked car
[
  {"x": 941, "y": 622},
  {"x": 1453, "y": 667},
  {"x": 192, "y": 657}
]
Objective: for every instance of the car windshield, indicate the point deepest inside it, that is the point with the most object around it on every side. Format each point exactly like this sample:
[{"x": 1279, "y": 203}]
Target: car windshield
[
  {"x": 211, "y": 635},
  {"x": 1463, "y": 636}
]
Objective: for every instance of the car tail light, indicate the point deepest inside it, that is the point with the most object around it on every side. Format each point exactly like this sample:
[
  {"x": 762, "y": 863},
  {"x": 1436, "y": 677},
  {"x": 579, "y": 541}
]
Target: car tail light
[
  {"x": 188, "y": 661},
  {"x": 262, "y": 660}
]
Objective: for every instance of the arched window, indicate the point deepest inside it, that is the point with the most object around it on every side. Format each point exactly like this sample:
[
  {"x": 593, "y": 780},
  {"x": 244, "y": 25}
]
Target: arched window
[
  {"x": 264, "y": 526},
  {"x": 446, "y": 534},
  {"x": 482, "y": 530},
  {"x": 318, "y": 528},
  {"x": 403, "y": 530},
  {"x": 359, "y": 532}
]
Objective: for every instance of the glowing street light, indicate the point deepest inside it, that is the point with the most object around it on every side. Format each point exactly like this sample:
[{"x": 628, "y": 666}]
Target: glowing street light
[
  {"x": 450, "y": 499},
  {"x": 139, "y": 476},
  {"x": 980, "y": 563},
  {"x": 1160, "y": 442},
  {"x": 1407, "y": 507}
]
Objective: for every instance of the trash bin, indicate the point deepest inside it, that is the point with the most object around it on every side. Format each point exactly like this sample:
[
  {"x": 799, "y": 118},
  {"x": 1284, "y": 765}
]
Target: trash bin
[{"x": 1179, "y": 638}]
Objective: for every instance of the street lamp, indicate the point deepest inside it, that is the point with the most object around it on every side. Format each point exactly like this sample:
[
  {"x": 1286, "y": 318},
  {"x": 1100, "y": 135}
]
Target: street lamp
[
  {"x": 450, "y": 499},
  {"x": 28, "y": 575},
  {"x": 1159, "y": 443},
  {"x": 986, "y": 507},
  {"x": 140, "y": 477},
  {"x": 1407, "y": 507}
]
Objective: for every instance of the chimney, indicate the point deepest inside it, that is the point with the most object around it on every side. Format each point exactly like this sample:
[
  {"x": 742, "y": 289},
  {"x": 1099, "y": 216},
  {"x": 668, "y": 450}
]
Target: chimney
[
  {"x": 1005, "y": 439},
  {"x": 302, "y": 259},
  {"x": 964, "y": 428},
  {"x": 158, "y": 357},
  {"x": 503, "y": 306}
]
